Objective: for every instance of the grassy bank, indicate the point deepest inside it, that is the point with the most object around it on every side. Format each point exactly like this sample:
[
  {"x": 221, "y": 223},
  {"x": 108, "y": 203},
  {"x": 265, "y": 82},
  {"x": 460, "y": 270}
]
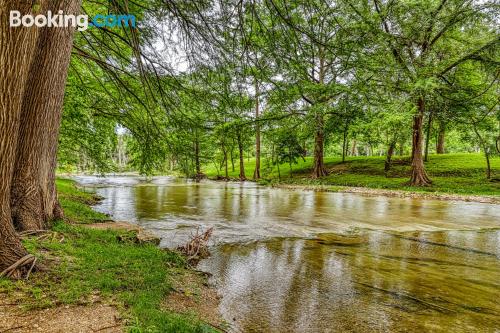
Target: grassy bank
[
  {"x": 85, "y": 265},
  {"x": 451, "y": 173}
]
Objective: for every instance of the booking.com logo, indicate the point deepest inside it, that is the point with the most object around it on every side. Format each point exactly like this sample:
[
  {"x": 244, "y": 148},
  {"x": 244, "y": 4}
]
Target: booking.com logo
[{"x": 81, "y": 22}]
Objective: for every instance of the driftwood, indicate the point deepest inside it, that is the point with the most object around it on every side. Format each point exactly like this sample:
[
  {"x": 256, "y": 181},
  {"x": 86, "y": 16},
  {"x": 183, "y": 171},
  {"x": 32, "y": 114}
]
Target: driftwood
[{"x": 197, "y": 247}]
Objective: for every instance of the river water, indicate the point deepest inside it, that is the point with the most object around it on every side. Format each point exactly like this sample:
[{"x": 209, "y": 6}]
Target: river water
[{"x": 303, "y": 261}]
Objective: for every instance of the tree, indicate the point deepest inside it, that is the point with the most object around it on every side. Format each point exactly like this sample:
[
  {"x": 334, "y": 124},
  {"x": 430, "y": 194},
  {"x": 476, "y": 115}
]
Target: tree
[
  {"x": 16, "y": 48},
  {"x": 33, "y": 64},
  {"x": 34, "y": 199},
  {"x": 256, "y": 174},
  {"x": 288, "y": 149},
  {"x": 311, "y": 63},
  {"x": 474, "y": 97},
  {"x": 420, "y": 37}
]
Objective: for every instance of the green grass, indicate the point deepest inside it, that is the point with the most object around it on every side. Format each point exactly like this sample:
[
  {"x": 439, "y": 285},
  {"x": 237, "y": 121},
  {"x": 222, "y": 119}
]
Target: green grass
[
  {"x": 451, "y": 173},
  {"x": 76, "y": 203},
  {"x": 136, "y": 278}
]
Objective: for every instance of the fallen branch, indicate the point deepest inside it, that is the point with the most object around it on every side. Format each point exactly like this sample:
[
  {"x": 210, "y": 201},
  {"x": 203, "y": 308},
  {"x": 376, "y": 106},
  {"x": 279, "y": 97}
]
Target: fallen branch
[
  {"x": 197, "y": 247},
  {"x": 12, "y": 269}
]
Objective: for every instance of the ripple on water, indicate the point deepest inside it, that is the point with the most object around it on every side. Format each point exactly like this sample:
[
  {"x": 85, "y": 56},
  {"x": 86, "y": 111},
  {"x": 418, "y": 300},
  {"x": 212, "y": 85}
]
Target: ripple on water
[{"x": 343, "y": 262}]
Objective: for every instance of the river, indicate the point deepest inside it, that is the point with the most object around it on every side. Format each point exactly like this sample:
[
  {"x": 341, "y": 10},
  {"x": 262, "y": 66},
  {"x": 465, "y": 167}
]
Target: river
[{"x": 303, "y": 261}]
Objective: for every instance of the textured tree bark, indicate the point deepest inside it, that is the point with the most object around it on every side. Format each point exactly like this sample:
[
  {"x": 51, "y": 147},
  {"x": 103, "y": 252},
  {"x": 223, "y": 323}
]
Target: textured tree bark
[
  {"x": 242, "y": 157},
  {"x": 256, "y": 174},
  {"x": 16, "y": 49},
  {"x": 419, "y": 176},
  {"x": 319, "y": 169},
  {"x": 34, "y": 198},
  {"x": 440, "y": 138}
]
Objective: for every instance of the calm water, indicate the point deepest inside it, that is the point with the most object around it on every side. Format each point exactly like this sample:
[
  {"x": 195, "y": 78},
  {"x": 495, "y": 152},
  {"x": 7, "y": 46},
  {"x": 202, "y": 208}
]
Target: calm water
[{"x": 294, "y": 261}]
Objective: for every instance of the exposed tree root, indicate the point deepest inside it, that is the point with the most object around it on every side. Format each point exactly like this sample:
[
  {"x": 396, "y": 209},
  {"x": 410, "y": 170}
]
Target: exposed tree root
[
  {"x": 16, "y": 269},
  {"x": 26, "y": 233},
  {"x": 419, "y": 177}
]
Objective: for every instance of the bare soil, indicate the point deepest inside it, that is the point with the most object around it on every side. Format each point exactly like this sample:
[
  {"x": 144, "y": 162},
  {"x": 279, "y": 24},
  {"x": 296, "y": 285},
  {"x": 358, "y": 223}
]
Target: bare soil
[{"x": 78, "y": 319}]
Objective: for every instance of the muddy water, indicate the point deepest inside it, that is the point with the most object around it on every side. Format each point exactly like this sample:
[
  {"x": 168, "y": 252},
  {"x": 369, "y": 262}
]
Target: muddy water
[{"x": 291, "y": 261}]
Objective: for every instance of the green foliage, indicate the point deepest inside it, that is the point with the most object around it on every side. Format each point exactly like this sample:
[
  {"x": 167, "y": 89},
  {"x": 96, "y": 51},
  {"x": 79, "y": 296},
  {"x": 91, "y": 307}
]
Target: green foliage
[{"x": 349, "y": 71}]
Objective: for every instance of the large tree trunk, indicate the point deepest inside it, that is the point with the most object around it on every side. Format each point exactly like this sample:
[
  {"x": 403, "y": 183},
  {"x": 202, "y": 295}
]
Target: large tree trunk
[
  {"x": 34, "y": 198},
  {"x": 242, "y": 157},
  {"x": 319, "y": 169},
  {"x": 256, "y": 174},
  {"x": 418, "y": 174},
  {"x": 440, "y": 138},
  {"x": 16, "y": 51}
]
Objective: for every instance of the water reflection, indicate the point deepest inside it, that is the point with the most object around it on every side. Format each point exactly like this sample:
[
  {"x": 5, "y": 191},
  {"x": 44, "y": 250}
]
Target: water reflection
[
  {"x": 246, "y": 212},
  {"x": 369, "y": 282},
  {"x": 342, "y": 262}
]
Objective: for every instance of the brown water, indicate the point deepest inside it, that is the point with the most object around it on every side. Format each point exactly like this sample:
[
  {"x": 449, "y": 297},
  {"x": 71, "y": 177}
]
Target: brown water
[{"x": 292, "y": 261}]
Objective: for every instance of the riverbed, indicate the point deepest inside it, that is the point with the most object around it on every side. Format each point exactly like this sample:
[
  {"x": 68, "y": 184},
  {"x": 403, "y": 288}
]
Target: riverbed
[{"x": 304, "y": 261}]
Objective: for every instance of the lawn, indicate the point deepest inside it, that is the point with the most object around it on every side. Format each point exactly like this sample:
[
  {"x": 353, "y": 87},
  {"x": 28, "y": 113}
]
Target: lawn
[{"x": 451, "y": 173}]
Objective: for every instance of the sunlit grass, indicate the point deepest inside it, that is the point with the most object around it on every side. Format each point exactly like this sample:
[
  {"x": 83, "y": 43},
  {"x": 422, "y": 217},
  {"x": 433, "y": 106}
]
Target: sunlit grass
[
  {"x": 76, "y": 203},
  {"x": 451, "y": 173}
]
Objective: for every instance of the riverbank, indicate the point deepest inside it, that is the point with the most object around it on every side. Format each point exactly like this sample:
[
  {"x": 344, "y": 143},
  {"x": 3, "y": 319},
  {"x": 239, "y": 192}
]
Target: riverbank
[
  {"x": 454, "y": 176},
  {"x": 389, "y": 193},
  {"x": 104, "y": 279}
]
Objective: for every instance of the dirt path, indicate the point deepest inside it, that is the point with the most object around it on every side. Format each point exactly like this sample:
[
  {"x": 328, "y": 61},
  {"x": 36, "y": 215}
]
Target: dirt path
[{"x": 62, "y": 319}]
